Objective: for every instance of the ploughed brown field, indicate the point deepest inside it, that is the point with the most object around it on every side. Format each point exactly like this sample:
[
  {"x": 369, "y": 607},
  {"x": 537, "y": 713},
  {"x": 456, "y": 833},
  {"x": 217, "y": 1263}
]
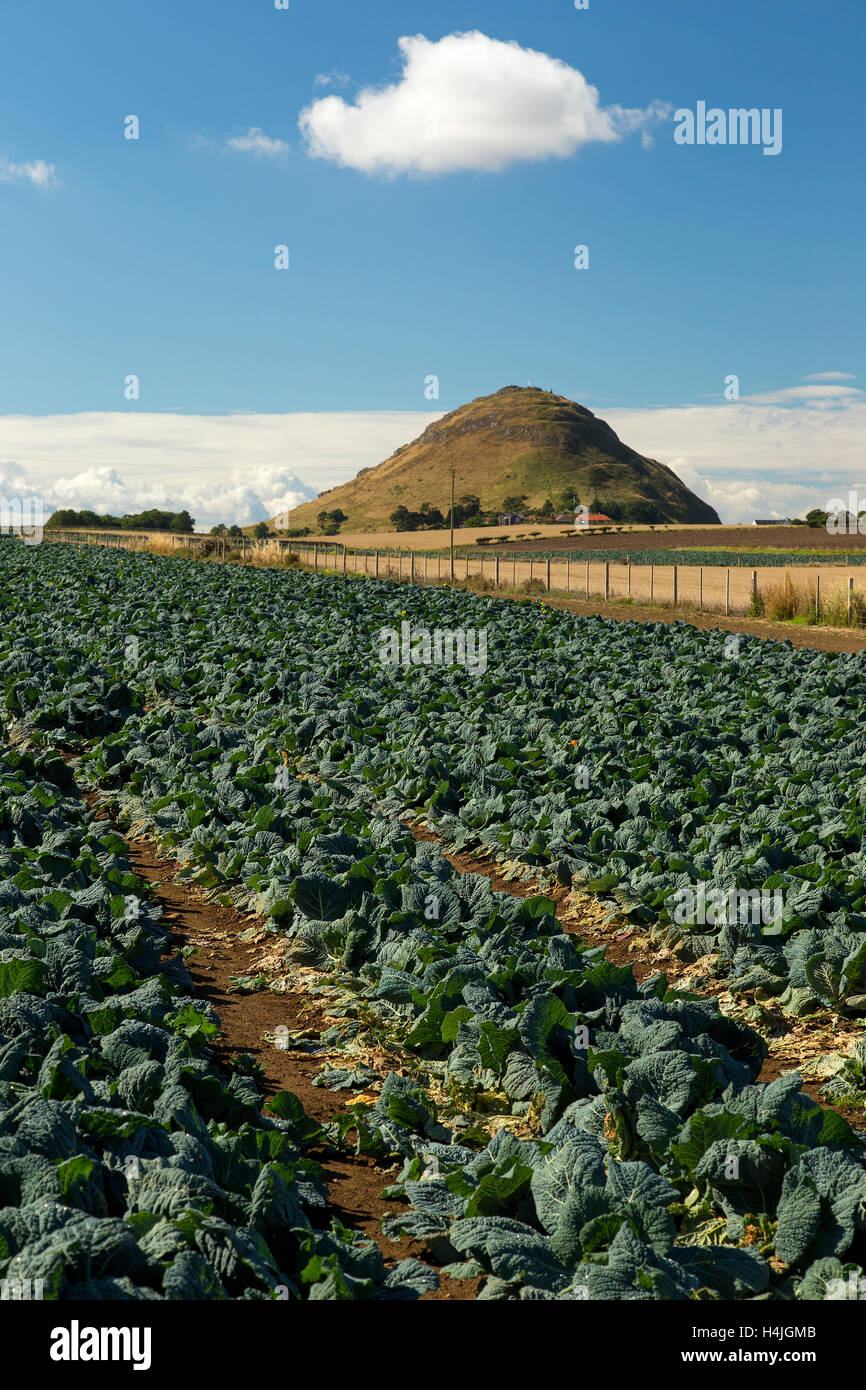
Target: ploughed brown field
[{"x": 699, "y": 537}]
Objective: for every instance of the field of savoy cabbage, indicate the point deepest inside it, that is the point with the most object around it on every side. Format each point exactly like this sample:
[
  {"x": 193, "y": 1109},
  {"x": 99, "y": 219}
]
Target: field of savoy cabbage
[{"x": 266, "y": 733}]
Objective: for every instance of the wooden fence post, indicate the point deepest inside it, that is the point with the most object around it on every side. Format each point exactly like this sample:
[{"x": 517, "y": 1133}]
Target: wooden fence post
[
  {"x": 514, "y": 571},
  {"x": 496, "y": 571},
  {"x": 701, "y": 587},
  {"x": 652, "y": 581},
  {"x": 587, "y": 579},
  {"x": 628, "y": 566},
  {"x": 568, "y": 575},
  {"x": 607, "y": 579},
  {"x": 850, "y": 596},
  {"x": 675, "y": 586},
  {"x": 817, "y": 598},
  {"x": 377, "y": 564},
  {"x": 727, "y": 592},
  {"x": 548, "y": 576},
  {"x": 531, "y": 562}
]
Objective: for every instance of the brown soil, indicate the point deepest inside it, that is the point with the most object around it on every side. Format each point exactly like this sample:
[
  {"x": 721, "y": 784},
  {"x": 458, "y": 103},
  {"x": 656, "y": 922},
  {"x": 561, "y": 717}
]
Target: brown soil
[
  {"x": 777, "y": 1066},
  {"x": 824, "y": 639},
  {"x": 698, "y": 538},
  {"x": 792, "y": 1042},
  {"x": 354, "y": 1182}
]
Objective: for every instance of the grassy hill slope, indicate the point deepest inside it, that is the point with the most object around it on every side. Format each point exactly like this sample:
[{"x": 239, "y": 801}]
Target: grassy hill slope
[{"x": 518, "y": 441}]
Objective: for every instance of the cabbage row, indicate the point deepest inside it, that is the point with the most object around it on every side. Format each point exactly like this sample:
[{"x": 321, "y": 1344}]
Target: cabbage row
[
  {"x": 642, "y": 760},
  {"x": 130, "y": 1166},
  {"x": 660, "y": 1169}
]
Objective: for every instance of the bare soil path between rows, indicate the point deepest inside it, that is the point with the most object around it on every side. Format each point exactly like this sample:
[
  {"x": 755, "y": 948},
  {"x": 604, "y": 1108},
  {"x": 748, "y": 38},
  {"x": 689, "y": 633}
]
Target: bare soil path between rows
[
  {"x": 248, "y": 1020},
  {"x": 354, "y": 1182}
]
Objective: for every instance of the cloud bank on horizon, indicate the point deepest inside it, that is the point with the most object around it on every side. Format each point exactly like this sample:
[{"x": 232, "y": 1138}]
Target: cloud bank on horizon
[
  {"x": 241, "y": 496},
  {"x": 467, "y": 102},
  {"x": 775, "y": 453}
]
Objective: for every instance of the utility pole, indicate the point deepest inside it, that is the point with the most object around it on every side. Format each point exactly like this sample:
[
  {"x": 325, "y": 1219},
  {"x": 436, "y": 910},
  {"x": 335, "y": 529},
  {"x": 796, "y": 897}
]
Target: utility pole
[{"x": 452, "y": 471}]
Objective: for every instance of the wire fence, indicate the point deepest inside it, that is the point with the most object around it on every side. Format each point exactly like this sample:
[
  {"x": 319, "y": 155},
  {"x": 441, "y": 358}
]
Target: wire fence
[{"x": 729, "y": 589}]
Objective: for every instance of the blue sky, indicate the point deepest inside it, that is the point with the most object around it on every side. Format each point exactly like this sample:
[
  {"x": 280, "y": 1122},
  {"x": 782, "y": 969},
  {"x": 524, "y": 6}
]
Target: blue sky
[{"x": 155, "y": 257}]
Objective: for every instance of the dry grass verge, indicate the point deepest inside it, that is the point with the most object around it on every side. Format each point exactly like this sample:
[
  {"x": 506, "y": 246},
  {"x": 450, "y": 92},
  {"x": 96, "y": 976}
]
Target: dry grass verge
[{"x": 790, "y": 602}]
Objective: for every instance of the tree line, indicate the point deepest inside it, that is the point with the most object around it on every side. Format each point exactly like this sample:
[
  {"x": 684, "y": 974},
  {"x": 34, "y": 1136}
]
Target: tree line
[{"x": 66, "y": 519}]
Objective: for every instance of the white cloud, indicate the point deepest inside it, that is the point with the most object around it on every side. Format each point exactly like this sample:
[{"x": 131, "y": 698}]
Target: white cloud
[
  {"x": 243, "y": 497},
  {"x": 97, "y": 489},
  {"x": 747, "y": 458},
  {"x": 466, "y": 102},
  {"x": 335, "y": 78},
  {"x": 256, "y": 142},
  {"x": 35, "y": 171},
  {"x": 233, "y": 468},
  {"x": 816, "y": 394},
  {"x": 762, "y": 456},
  {"x": 10, "y": 472},
  {"x": 830, "y": 376}
]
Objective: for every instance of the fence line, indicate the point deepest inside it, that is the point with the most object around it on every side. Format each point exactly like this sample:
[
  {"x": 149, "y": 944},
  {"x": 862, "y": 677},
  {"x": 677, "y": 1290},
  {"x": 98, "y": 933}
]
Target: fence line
[{"x": 713, "y": 588}]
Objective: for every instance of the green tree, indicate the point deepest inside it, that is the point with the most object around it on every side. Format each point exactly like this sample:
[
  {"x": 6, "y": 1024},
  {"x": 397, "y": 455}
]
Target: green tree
[
  {"x": 403, "y": 520},
  {"x": 612, "y": 509},
  {"x": 330, "y": 522},
  {"x": 638, "y": 511}
]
